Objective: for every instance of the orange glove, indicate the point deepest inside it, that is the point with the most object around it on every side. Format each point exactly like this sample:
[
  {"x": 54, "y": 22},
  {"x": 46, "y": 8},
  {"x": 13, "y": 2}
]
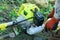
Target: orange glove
[
  {"x": 51, "y": 14},
  {"x": 50, "y": 23}
]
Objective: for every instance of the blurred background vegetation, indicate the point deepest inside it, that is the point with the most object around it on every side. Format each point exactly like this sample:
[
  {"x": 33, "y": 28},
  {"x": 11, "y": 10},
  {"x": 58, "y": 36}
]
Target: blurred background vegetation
[{"x": 8, "y": 10}]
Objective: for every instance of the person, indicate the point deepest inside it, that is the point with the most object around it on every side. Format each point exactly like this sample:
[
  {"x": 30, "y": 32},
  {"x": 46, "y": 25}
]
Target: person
[{"x": 52, "y": 24}]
